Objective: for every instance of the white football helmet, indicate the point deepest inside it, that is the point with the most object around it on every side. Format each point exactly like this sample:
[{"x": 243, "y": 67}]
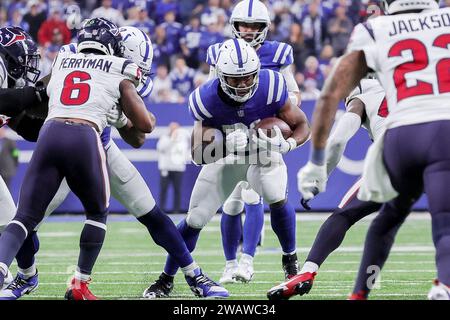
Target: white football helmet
[
  {"x": 137, "y": 47},
  {"x": 237, "y": 59},
  {"x": 250, "y": 11},
  {"x": 396, "y": 6}
]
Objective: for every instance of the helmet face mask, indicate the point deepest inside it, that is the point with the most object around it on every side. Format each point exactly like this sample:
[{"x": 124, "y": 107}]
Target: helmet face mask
[
  {"x": 21, "y": 56},
  {"x": 252, "y": 37},
  {"x": 240, "y": 88}
]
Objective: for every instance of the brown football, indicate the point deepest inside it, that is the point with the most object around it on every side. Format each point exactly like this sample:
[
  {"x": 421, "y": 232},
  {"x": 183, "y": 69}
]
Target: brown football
[{"x": 268, "y": 123}]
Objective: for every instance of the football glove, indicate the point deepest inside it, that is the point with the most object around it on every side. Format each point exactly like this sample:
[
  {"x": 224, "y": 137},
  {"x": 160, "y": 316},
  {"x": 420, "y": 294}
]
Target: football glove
[
  {"x": 116, "y": 117},
  {"x": 41, "y": 91},
  {"x": 236, "y": 141},
  {"x": 276, "y": 143},
  {"x": 311, "y": 180}
]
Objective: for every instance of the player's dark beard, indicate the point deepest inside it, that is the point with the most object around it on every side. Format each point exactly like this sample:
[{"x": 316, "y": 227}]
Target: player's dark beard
[{"x": 225, "y": 98}]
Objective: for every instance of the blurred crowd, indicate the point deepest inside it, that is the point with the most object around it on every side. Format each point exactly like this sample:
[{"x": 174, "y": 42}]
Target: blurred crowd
[{"x": 182, "y": 31}]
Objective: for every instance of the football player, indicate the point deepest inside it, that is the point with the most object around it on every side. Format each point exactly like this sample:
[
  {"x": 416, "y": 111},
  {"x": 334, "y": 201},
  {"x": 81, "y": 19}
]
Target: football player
[
  {"x": 250, "y": 21},
  {"x": 127, "y": 185},
  {"x": 408, "y": 49},
  {"x": 229, "y": 105},
  {"x": 19, "y": 90},
  {"x": 367, "y": 107},
  {"x": 82, "y": 89}
]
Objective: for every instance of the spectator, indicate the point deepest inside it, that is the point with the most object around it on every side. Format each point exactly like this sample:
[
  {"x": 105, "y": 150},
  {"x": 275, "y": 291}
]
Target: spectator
[
  {"x": 312, "y": 71},
  {"x": 297, "y": 41},
  {"x": 310, "y": 91},
  {"x": 3, "y": 16},
  {"x": 50, "y": 26},
  {"x": 162, "y": 87},
  {"x": 15, "y": 5},
  {"x": 17, "y": 20},
  {"x": 35, "y": 17},
  {"x": 161, "y": 48},
  {"x": 9, "y": 157},
  {"x": 209, "y": 37},
  {"x": 314, "y": 30},
  {"x": 173, "y": 152},
  {"x": 190, "y": 40},
  {"x": 173, "y": 31},
  {"x": 202, "y": 74},
  {"x": 144, "y": 23},
  {"x": 213, "y": 11},
  {"x": 325, "y": 57},
  {"x": 108, "y": 12},
  {"x": 340, "y": 29},
  {"x": 164, "y": 6},
  {"x": 182, "y": 78},
  {"x": 48, "y": 56}
]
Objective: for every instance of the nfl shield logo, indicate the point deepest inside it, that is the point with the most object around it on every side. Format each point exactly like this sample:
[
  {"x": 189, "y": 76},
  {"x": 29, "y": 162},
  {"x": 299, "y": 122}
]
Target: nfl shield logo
[{"x": 241, "y": 113}]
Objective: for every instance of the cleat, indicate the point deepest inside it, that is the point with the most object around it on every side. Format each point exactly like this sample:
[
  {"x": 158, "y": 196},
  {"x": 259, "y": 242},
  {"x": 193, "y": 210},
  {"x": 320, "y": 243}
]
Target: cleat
[
  {"x": 7, "y": 280},
  {"x": 229, "y": 272},
  {"x": 79, "y": 290},
  {"x": 439, "y": 291},
  {"x": 19, "y": 287},
  {"x": 299, "y": 284},
  {"x": 204, "y": 287},
  {"x": 290, "y": 265},
  {"x": 245, "y": 269},
  {"x": 161, "y": 288},
  {"x": 361, "y": 295}
]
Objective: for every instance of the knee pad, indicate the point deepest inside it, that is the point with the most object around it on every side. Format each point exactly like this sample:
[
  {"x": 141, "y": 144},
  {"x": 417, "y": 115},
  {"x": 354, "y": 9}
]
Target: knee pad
[
  {"x": 233, "y": 207},
  {"x": 250, "y": 196},
  {"x": 197, "y": 218}
]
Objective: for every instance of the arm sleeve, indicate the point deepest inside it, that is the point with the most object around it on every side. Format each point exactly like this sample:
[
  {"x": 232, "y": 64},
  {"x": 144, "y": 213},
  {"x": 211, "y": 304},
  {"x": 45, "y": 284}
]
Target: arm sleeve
[
  {"x": 29, "y": 127},
  {"x": 345, "y": 129},
  {"x": 290, "y": 79},
  {"x": 14, "y": 101}
]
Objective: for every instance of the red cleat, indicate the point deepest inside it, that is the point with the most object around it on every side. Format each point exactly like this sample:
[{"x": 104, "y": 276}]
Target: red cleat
[
  {"x": 361, "y": 295},
  {"x": 79, "y": 290},
  {"x": 299, "y": 284}
]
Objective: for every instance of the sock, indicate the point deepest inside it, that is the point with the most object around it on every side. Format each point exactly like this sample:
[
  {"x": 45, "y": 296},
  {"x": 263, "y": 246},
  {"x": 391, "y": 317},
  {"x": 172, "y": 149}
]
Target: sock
[
  {"x": 253, "y": 224},
  {"x": 246, "y": 257},
  {"x": 231, "y": 229},
  {"x": 310, "y": 267},
  {"x": 25, "y": 256},
  {"x": 10, "y": 242},
  {"x": 91, "y": 242},
  {"x": 284, "y": 225},
  {"x": 443, "y": 259},
  {"x": 165, "y": 234},
  {"x": 29, "y": 272},
  {"x": 191, "y": 270},
  {"x": 81, "y": 276},
  {"x": 190, "y": 237}
]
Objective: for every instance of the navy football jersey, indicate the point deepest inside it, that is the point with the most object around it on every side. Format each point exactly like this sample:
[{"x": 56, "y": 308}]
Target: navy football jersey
[
  {"x": 206, "y": 105},
  {"x": 273, "y": 55}
]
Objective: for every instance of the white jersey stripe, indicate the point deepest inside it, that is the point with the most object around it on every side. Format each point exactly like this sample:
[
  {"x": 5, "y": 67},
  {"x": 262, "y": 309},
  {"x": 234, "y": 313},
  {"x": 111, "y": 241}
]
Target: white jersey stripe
[
  {"x": 351, "y": 193},
  {"x": 200, "y": 104},
  {"x": 194, "y": 111},
  {"x": 278, "y": 52},
  {"x": 288, "y": 51},
  {"x": 280, "y": 86},
  {"x": 271, "y": 86}
]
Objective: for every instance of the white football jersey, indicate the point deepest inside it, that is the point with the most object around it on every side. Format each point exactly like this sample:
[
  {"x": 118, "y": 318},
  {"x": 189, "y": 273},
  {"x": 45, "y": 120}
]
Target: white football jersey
[
  {"x": 371, "y": 93},
  {"x": 3, "y": 74},
  {"x": 410, "y": 54},
  {"x": 86, "y": 86}
]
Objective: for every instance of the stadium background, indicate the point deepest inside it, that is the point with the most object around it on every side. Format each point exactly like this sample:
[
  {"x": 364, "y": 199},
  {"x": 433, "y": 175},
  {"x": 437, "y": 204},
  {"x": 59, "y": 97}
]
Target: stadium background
[{"x": 181, "y": 32}]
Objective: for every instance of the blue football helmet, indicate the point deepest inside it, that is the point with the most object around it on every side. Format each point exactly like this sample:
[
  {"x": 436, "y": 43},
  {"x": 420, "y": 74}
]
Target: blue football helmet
[
  {"x": 21, "y": 56},
  {"x": 101, "y": 35}
]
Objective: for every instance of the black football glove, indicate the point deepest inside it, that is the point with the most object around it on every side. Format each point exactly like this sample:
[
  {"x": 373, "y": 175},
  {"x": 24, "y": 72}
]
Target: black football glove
[{"x": 41, "y": 91}]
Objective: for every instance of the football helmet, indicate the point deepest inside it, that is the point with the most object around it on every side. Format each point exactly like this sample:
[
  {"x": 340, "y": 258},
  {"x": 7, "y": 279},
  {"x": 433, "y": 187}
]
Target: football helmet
[
  {"x": 397, "y": 6},
  {"x": 250, "y": 11},
  {"x": 101, "y": 35},
  {"x": 21, "y": 56},
  {"x": 236, "y": 62},
  {"x": 137, "y": 47}
]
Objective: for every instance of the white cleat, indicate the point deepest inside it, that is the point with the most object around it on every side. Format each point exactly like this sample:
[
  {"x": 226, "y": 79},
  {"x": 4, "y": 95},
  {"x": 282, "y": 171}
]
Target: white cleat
[
  {"x": 245, "y": 269},
  {"x": 229, "y": 272},
  {"x": 439, "y": 291},
  {"x": 8, "y": 279}
]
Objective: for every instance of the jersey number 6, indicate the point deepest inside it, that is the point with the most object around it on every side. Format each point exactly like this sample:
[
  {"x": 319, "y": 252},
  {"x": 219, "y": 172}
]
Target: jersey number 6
[{"x": 75, "y": 92}]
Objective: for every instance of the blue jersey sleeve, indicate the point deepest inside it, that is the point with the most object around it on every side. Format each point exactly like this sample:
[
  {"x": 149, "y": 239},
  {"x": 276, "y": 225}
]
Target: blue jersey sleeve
[
  {"x": 211, "y": 55},
  {"x": 199, "y": 104},
  {"x": 277, "y": 92},
  {"x": 283, "y": 55}
]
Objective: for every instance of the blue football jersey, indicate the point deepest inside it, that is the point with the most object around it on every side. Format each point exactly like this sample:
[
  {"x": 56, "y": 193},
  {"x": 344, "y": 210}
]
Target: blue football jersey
[
  {"x": 270, "y": 96},
  {"x": 273, "y": 55}
]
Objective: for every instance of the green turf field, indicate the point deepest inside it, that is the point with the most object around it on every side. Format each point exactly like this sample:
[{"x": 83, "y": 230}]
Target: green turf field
[{"x": 130, "y": 259}]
